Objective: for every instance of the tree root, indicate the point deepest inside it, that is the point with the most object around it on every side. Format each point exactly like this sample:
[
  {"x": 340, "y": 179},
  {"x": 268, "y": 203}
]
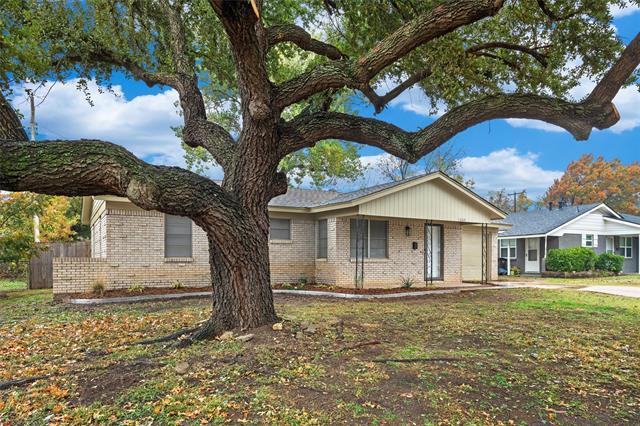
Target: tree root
[
  {"x": 21, "y": 382},
  {"x": 205, "y": 331}
]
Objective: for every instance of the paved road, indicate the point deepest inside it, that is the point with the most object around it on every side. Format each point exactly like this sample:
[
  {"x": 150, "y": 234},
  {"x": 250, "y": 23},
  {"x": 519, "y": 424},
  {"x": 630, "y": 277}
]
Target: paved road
[{"x": 612, "y": 289}]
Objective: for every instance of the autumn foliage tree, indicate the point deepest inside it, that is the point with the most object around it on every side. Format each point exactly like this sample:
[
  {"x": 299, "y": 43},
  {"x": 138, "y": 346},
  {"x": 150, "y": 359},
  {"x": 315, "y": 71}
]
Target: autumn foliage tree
[
  {"x": 588, "y": 180},
  {"x": 17, "y": 239},
  {"x": 476, "y": 60}
]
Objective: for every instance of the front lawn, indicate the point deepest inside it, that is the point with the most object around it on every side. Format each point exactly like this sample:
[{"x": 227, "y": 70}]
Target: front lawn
[
  {"x": 484, "y": 357},
  {"x": 624, "y": 280},
  {"x": 12, "y": 285}
]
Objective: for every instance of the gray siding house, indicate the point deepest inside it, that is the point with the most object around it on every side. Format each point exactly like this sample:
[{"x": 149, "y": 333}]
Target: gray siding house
[{"x": 597, "y": 226}]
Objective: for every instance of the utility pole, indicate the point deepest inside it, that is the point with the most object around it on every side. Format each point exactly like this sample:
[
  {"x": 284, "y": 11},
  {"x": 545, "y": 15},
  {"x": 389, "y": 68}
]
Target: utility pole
[
  {"x": 32, "y": 128},
  {"x": 515, "y": 199}
]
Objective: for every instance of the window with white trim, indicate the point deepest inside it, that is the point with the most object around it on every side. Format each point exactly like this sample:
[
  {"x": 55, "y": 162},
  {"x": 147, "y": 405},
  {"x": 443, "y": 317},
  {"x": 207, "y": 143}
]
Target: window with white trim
[
  {"x": 609, "y": 245},
  {"x": 625, "y": 248},
  {"x": 321, "y": 252},
  {"x": 177, "y": 236},
  {"x": 508, "y": 248},
  {"x": 279, "y": 229},
  {"x": 588, "y": 240},
  {"x": 369, "y": 237}
]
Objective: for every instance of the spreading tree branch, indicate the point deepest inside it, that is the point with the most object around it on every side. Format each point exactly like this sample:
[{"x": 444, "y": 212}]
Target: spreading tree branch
[
  {"x": 380, "y": 101},
  {"x": 356, "y": 74},
  {"x": 298, "y": 36},
  {"x": 538, "y": 56},
  {"x": 90, "y": 167},
  {"x": 554, "y": 16},
  {"x": 578, "y": 118}
]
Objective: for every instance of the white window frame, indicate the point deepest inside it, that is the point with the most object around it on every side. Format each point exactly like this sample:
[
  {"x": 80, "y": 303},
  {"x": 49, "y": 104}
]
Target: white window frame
[
  {"x": 611, "y": 250},
  {"x": 368, "y": 254},
  {"x": 511, "y": 243},
  {"x": 587, "y": 242},
  {"x": 623, "y": 245}
]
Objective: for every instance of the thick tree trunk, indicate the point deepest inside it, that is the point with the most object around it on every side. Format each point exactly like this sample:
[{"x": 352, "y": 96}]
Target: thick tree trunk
[{"x": 240, "y": 278}]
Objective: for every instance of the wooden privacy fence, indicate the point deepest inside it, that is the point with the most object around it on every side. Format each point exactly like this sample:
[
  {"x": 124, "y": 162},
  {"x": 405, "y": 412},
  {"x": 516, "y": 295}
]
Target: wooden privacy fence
[{"x": 41, "y": 265}]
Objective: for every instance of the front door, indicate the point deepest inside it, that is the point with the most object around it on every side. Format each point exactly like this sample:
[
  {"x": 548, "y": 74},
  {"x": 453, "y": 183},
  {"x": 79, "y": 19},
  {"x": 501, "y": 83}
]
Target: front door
[
  {"x": 532, "y": 255},
  {"x": 433, "y": 252}
]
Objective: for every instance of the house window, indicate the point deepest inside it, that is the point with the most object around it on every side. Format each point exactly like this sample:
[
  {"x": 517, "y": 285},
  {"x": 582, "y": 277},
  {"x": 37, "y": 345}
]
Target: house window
[
  {"x": 626, "y": 247},
  {"x": 321, "y": 252},
  {"x": 609, "y": 245},
  {"x": 508, "y": 248},
  {"x": 369, "y": 237},
  {"x": 280, "y": 229},
  {"x": 588, "y": 240},
  {"x": 177, "y": 236}
]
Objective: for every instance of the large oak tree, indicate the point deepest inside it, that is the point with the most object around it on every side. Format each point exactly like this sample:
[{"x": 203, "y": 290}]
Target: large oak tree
[{"x": 476, "y": 60}]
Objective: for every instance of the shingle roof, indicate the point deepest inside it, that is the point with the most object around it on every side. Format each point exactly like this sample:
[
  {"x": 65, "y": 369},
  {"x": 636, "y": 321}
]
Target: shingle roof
[
  {"x": 541, "y": 221},
  {"x": 630, "y": 218},
  {"x": 296, "y": 197}
]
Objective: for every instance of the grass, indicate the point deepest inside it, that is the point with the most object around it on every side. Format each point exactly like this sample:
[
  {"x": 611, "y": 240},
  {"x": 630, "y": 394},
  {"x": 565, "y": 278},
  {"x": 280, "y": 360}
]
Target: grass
[
  {"x": 515, "y": 356},
  {"x": 620, "y": 280},
  {"x": 12, "y": 285}
]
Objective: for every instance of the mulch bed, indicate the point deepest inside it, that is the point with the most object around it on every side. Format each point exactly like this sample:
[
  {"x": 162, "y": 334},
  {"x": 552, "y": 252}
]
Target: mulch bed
[
  {"x": 145, "y": 292},
  {"x": 309, "y": 287},
  {"x": 346, "y": 290}
]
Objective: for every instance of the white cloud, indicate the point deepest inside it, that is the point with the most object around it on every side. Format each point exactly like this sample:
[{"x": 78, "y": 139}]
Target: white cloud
[
  {"x": 141, "y": 124},
  {"x": 507, "y": 168},
  {"x": 620, "y": 12}
]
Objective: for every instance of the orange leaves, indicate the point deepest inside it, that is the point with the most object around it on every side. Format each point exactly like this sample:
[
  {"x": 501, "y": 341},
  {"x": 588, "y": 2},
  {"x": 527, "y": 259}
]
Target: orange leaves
[
  {"x": 593, "y": 181},
  {"x": 56, "y": 391}
]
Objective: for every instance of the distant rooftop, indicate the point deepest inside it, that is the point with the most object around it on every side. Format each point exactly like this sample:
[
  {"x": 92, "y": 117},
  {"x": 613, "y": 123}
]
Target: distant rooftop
[{"x": 541, "y": 221}]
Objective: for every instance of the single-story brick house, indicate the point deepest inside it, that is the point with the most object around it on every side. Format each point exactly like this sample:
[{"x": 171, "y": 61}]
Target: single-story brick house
[
  {"x": 425, "y": 228},
  {"x": 533, "y": 233}
]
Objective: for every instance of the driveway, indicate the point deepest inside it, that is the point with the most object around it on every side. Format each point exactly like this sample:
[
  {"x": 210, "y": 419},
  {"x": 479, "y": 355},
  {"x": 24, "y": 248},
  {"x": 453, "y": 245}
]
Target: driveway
[{"x": 616, "y": 290}]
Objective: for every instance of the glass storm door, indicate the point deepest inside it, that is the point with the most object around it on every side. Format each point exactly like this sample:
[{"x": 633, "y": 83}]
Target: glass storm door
[
  {"x": 433, "y": 252},
  {"x": 532, "y": 255}
]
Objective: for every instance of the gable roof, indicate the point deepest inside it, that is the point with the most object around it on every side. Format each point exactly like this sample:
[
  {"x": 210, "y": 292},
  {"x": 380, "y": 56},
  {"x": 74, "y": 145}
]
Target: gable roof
[
  {"x": 315, "y": 200},
  {"x": 544, "y": 221},
  {"x": 538, "y": 222}
]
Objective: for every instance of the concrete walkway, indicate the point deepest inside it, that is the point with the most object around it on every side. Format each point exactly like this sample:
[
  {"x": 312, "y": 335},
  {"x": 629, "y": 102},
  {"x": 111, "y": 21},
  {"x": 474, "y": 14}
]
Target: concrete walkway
[{"x": 616, "y": 290}]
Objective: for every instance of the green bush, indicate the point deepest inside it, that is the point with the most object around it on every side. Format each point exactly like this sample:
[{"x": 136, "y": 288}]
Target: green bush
[
  {"x": 610, "y": 262},
  {"x": 574, "y": 259}
]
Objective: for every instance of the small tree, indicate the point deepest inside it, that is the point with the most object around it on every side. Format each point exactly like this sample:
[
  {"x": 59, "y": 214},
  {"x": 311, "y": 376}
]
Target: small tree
[
  {"x": 505, "y": 201},
  {"x": 464, "y": 54}
]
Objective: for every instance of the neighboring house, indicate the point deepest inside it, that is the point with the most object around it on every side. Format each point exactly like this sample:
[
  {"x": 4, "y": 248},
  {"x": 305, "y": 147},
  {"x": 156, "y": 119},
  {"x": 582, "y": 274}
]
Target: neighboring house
[
  {"x": 534, "y": 233},
  {"x": 423, "y": 228}
]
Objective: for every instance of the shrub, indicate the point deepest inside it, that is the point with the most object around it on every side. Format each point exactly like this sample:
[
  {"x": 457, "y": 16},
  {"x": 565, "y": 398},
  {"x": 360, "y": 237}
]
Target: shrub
[
  {"x": 574, "y": 259},
  {"x": 135, "y": 288},
  {"x": 610, "y": 262},
  {"x": 515, "y": 271},
  {"x": 302, "y": 281},
  {"x": 407, "y": 282},
  {"x": 98, "y": 287},
  {"x": 177, "y": 284}
]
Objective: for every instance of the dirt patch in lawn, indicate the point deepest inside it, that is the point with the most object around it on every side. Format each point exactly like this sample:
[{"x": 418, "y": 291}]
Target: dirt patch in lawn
[{"x": 105, "y": 385}]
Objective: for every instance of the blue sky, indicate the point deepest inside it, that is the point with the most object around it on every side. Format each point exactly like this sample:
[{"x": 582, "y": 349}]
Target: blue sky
[{"x": 516, "y": 155}]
